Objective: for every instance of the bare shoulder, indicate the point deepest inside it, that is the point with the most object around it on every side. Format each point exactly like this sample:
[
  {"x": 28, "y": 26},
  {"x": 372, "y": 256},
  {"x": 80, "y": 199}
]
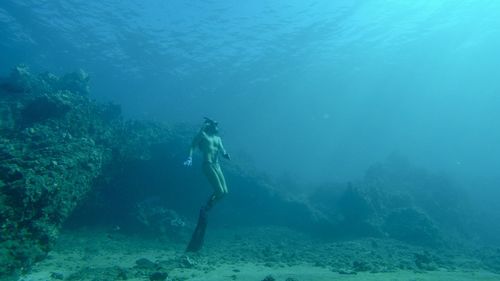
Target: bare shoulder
[{"x": 201, "y": 135}]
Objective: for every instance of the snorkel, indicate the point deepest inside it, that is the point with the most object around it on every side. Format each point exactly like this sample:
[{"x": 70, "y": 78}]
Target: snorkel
[{"x": 210, "y": 126}]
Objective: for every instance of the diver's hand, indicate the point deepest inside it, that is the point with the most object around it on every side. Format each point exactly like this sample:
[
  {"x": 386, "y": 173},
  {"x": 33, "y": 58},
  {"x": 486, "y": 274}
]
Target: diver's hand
[
  {"x": 188, "y": 162},
  {"x": 227, "y": 156}
]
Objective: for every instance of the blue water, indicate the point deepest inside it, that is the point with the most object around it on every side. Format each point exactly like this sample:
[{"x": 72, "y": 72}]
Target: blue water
[
  {"x": 310, "y": 91},
  {"x": 369, "y": 118},
  {"x": 336, "y": 84}
]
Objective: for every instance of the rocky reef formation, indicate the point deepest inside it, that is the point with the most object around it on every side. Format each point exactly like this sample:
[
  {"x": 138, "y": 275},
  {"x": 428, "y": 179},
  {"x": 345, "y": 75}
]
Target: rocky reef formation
[
  {"x": 54, "y": 142},
  {"x": 66, "y": 159},
  {"x": 60, "y": 150},
  {"x": 399, "y": 201},
  {"x": 159, "y": 220}
]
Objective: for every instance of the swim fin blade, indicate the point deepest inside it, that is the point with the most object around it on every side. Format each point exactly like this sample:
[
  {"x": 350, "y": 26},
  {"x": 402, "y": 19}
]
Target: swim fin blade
[{"x": 199, "y": 233}]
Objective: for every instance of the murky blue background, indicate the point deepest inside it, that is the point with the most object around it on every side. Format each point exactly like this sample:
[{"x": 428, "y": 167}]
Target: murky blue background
[{"x": 308, "y": 90}]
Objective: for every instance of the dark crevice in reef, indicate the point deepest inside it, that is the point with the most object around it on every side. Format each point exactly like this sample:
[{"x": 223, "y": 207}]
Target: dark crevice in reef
[{"x": 67, "y": 160}]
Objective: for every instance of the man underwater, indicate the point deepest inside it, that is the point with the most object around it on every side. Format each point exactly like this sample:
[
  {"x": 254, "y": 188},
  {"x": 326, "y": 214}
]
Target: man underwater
[{"x": 210, "y": 144}]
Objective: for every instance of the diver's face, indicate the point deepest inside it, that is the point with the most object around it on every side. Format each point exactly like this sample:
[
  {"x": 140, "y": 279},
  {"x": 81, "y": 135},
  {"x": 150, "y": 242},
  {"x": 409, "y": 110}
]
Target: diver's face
[{"x": 213, "y": 128}]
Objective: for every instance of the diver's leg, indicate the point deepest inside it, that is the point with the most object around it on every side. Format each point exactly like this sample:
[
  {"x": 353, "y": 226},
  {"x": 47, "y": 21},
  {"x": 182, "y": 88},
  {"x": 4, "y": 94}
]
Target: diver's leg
[
  {"x": 222, "y": 180},
  {"x": 214, "y": 180},
  {"x": 221, "y": 190}
]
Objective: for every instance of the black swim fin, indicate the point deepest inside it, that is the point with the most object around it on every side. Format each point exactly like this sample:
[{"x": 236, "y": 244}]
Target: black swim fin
[{"x": 199, "y": 233}]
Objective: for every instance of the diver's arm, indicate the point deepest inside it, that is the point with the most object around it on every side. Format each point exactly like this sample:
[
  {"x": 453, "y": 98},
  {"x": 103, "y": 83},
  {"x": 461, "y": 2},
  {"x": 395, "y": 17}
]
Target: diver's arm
[
  {"x": 224, "y": 152},
  {"x": 193, "y": 146}
]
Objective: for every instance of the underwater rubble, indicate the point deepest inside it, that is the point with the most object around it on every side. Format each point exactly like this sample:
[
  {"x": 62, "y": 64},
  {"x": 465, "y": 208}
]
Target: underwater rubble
[
  {"x": 235, "y": 254},
  {"x": 160, "y": 220}
]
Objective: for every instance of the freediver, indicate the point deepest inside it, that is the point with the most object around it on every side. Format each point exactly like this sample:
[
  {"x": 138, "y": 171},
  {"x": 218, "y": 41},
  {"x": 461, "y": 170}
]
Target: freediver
[{"x": 209, "y": 143}]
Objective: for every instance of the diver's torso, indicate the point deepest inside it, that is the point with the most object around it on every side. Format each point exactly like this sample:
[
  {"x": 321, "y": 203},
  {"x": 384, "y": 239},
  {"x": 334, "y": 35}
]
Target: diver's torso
[{"x": 209, "y": 146}]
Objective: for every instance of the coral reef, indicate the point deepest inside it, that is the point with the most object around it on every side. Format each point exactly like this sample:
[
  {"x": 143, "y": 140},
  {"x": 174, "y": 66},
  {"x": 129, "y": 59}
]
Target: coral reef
[
  {"x": 55, "y": 145},
  {"x": 54, "y": 142}
]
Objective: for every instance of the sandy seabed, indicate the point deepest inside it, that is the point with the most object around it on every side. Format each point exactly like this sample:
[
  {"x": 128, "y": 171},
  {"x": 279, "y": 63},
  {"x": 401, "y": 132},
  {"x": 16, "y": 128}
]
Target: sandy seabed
[{"x": 250, "y": 254}]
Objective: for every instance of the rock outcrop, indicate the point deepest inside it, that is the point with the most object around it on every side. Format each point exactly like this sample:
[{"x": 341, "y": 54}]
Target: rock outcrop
[
  {"x": 62, "y": 154},
  {"x": 66, "y": 159},
  {"x": 399, "y": 201},
  {"x": 54, "y": 143}
]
